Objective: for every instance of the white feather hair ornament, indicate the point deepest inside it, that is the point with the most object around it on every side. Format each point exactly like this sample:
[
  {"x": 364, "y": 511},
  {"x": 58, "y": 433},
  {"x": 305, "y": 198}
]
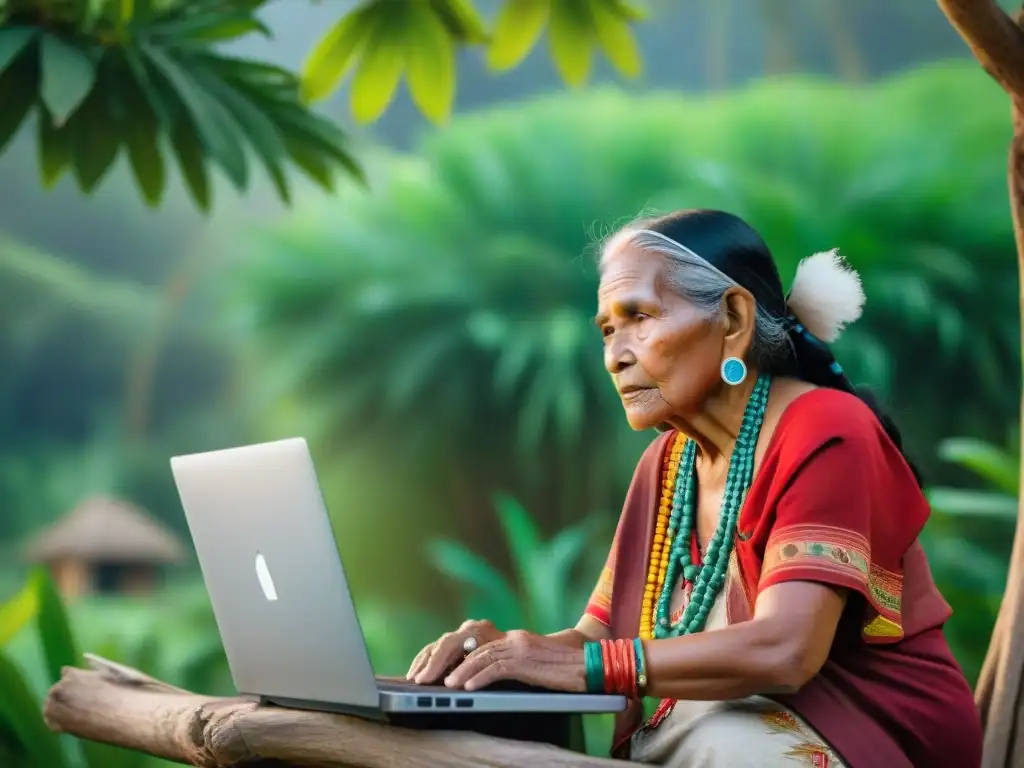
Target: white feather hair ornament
[{"x": 827, "y": 295}]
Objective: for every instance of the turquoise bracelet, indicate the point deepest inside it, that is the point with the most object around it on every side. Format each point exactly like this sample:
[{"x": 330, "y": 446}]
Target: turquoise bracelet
[
  {"x": 641, "y": 667},
  {"x": 593, "y": 665}
]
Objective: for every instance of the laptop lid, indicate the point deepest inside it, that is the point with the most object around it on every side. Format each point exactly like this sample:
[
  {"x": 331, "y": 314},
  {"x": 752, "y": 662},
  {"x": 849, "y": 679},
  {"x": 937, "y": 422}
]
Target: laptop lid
[{"x": 271, "y": 566}]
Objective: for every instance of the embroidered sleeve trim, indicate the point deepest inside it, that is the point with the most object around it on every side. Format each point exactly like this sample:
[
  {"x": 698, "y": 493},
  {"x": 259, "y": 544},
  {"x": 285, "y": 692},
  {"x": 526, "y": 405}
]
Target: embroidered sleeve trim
[
  {"x": 837, "y": 556},
  {"x": 818, "y": 546},
  {"x": 599, "y": 606}
]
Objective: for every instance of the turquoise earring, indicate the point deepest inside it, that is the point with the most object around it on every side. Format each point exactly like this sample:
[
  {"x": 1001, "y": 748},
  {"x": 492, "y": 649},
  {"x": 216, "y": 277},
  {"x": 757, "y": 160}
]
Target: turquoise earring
[{"x": 734, "y": 371}]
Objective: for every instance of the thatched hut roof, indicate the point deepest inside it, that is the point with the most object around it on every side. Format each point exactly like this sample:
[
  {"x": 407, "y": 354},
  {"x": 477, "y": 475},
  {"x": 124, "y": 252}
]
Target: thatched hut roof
[{"x": 107, "y": 530}]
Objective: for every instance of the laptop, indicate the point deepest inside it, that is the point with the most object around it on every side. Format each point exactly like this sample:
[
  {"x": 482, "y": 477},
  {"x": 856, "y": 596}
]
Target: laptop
[{"x": 281, "y": 599}]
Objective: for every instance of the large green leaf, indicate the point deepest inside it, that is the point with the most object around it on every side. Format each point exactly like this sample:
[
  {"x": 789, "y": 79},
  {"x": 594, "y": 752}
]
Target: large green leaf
[
  {"x": 95, "y": 142},
  {"x": 521, "y": 535},
  {"x": 973, "y": 568},
  {"x": 206, "y": 23},
  {"x": 381, "y": 39},
  {"x": 263, "y": 135},
  {"x": 93, "y": 87},
  {"x": 142, "y": 140},
  {"x": 333, "y": 56},
  {"x": 516, "y": 30},
  {"x": 18, "y": 612},
  {"x": 59, "y": 647},
  {"x": 490, "y": 596},
  {"x": 18, "y": 88},
  {"x": 430, "y": 59},
  {"x": 564, "y": 553},
  {"x": 381, "y": 65},
  {"x": 615, "y": 37},
  {"x": 571, "y": 40},
  {"x": 219, "y": 133},
  {"x": 966, "y": 503},
  {"x": 188, "y": 151},
  {"x": 55, "y": 150},
  {"x": 461, "y": 19},
  {"x": 68, "y": 77},
  {"x": 988, "y": 461},
  {"x": 13, "y": 42},
  {"x": 21, "y": 713}
]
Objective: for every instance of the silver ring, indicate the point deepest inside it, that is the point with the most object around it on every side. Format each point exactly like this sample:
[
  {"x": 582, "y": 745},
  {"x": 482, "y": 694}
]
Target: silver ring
[{"x": 469, "y": 645}]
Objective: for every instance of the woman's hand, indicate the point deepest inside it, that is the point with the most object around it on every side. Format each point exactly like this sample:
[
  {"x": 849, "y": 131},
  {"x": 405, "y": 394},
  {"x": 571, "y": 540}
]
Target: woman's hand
[
  {"x": 531, "y": 659},
  {"x": 441, "y": 656}
]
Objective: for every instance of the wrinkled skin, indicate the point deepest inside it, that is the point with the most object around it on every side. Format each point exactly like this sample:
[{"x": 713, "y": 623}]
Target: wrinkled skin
[{"x": 663, "y": 353}]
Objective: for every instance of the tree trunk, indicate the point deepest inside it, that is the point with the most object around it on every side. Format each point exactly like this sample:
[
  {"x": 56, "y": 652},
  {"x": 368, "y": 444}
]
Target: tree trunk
[
  {"x": 719, "y": 17},
  {"x": 843, "y": 41},
  {"x": 779, "y": 54},
  {"x": 997, "y": 41},
  {"x": 143, "y": 365},
  {"x": 117, "y": 705},
  {"x": 999, "y": 687}
]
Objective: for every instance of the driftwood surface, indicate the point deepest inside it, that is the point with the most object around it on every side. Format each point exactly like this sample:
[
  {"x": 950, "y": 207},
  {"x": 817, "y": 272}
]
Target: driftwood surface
[{"x": 117, "y": 705}]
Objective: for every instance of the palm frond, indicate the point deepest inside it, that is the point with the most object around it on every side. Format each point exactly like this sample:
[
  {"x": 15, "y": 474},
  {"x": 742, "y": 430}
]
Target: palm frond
[{"x": 147, "y": 79}]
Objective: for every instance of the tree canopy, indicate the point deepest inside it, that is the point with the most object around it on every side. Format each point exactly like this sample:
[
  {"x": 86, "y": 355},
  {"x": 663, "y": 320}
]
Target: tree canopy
[{"x": 148, "y": 77}]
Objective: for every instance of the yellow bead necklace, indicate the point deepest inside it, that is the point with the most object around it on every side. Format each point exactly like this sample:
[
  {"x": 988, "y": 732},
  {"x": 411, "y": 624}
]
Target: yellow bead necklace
[{"x": 660, "y": 547}]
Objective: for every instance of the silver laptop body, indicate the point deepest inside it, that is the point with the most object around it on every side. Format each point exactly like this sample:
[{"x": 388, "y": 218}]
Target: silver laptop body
[{"x": 281, "y": 600}]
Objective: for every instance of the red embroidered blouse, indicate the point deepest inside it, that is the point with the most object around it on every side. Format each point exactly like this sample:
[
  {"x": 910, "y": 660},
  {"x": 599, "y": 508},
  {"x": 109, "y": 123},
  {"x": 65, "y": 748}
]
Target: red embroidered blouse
[{"x": 833, "y": 502}]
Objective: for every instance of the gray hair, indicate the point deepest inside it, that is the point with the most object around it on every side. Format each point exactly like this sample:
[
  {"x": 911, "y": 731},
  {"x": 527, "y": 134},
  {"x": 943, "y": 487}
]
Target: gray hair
[{"x": 700, "y": 282}]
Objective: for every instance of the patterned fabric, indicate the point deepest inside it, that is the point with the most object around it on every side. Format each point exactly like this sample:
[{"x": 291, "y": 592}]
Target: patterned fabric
[
  {"x": 600, "y": 603},
  {"x": 818, "y": 546},
  {"x": 809, "y": 749},
  {"x": 745, "y": 733},
  {"x": 838, "y": 554}
]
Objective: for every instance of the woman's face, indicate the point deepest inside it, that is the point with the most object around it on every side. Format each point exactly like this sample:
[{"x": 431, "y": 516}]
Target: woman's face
[{"x": 663, "y": 354}]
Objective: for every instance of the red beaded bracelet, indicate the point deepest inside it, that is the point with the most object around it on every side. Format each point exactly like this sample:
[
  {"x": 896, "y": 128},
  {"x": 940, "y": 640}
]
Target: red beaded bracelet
[
  {"x": 616, "y": 671},
  {"x": 620, "y": 672},
  {"x": 606, "y": 659},
  {"x": 629, "y": 658}
]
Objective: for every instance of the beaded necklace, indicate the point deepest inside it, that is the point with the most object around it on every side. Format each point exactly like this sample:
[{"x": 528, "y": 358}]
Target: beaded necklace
[
  {"x": 662, "y": 544},
  {"x": 670, "y": 552}
]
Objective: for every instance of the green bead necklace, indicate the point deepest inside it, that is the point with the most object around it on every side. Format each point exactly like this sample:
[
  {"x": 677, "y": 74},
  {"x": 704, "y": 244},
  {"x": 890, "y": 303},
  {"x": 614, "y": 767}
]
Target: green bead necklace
[{"x": 708, "y": 578}]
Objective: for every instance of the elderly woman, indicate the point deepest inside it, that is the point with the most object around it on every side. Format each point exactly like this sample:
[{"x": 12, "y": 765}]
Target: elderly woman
[{"x": 765, "y": 582}]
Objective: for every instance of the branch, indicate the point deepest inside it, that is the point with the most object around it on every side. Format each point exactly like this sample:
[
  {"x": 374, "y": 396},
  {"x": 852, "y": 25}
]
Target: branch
[
  {"x": 994, "y": 38},
  {"x": 117, "y": 705}
]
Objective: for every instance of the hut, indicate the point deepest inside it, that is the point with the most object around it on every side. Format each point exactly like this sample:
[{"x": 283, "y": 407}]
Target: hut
[{"x": 106, "y": 546}]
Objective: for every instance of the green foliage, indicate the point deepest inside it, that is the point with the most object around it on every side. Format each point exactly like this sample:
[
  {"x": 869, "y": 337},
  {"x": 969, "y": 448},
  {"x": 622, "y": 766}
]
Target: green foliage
[
  {"x": 452, "y": 305},
  {"x": 548, "y": 595},
  {"x": 992, "y": 464},
  {"x": 60, "y": 323},
  {"x": 59, "y": 647},
  {"x": 997, "y": 467},
  {"x": 146, "y": 77},
  {"x": 23, "y": 734},
  {"x": 22, "y": 729},
  {"x": 18, "y": 611},
  {"x": 388, "y": 39},
  {"x": 968, "y": 542},
  {"x": 25, "y": 739},
  {"x": 553, "y": 580},
  {"x": 381, "y": 39},
  {"x": 31, "y": 743}
]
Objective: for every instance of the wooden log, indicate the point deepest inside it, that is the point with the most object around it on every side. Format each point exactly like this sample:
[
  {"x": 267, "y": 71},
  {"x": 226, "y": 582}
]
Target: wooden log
[{"x": 117, "y": 705}]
